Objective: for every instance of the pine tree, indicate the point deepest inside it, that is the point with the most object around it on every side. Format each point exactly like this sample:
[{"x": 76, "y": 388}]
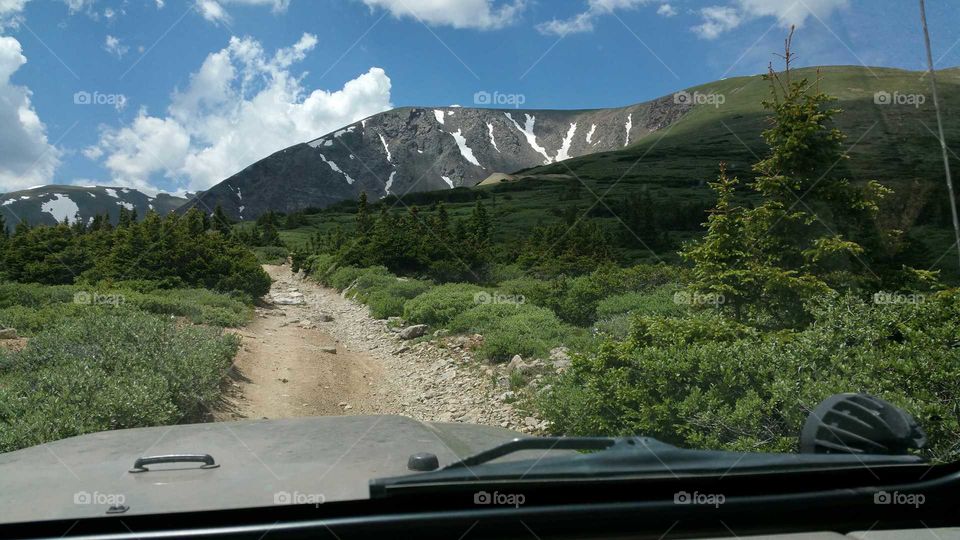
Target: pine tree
[
  {"x": 364, "y": 223},
  {"x": 220, "y": 221}
]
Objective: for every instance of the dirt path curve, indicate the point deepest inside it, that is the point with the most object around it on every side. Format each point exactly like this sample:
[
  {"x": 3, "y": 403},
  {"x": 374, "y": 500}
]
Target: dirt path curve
[{"x": 287, "y": 366}]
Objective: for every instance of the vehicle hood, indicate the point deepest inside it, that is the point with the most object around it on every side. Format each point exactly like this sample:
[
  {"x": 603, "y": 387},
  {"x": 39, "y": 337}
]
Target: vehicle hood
[{"x": 261, "y": 462}]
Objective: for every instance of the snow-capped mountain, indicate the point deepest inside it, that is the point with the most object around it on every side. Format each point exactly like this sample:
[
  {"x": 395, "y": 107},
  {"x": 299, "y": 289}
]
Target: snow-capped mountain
[
  {"x": 51, "y": 204},
  {"x": 421, "y": 149}
]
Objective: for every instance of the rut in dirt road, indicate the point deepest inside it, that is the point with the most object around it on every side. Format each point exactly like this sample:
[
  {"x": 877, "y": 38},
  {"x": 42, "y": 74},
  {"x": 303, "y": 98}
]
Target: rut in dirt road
[{"x": 288, "y": 368}]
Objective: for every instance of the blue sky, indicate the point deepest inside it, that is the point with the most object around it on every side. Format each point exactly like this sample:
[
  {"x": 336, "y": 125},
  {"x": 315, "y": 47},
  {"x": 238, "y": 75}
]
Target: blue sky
[{"x": 177, "y": 95}]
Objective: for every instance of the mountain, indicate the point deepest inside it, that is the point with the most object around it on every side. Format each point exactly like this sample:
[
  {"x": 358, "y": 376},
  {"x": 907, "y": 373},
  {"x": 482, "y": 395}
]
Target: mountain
[
  {"x": 422, "y": 149},
  {"x": 51, "y": 204},
  {"x": 887, "y": 116}
]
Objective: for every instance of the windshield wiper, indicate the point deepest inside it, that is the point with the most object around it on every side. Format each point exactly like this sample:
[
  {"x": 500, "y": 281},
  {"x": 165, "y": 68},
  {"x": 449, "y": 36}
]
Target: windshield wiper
[{"x": 618, "y": 458}]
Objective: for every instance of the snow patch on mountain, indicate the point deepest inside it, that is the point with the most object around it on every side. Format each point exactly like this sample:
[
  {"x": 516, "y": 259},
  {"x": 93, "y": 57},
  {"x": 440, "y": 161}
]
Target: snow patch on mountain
[
  {"x": 465, "y": 150},
  {"x": 448, "y": 181},
  {"x": 348, "y": 129},
  {"x": 629, "y": 126},
  {"x": 527, "y": 131},
  {"x": 60, "y": 207},
  {"x": 336, "y": 169},
  {"x": 564, "y": 152},
  {"x": 493, "y": 141},
  {"x": 125, "y": 204},
  {"x": 385, "y": 148},
  {"x": 387, "y": 187},
  {"x": 593, "y": 127},
  {"x": 438, "y": 114},
  {"x": 112, "y": 193}
]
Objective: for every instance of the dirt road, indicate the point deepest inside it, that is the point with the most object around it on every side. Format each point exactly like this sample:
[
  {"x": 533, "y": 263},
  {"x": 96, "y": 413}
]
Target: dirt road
[
  {"x": 289, "y": 367},
  {"x": 325, "y": 355}
]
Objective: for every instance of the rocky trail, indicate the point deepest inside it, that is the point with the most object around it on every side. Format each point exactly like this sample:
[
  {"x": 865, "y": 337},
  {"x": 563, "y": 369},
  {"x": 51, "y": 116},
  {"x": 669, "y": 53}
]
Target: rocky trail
[{"x": 311, "y": 352}]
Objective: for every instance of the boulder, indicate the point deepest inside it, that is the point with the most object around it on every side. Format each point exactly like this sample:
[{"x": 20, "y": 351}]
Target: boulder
[
  {"x": 8, "y": 333},
  {"x": 329, "y": 349},
  {"x": 414, "y": 331},
  {"x": 515, "y": 363}
]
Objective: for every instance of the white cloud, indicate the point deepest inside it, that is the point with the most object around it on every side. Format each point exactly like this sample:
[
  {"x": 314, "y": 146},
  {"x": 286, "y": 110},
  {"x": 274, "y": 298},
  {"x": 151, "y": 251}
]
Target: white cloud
[
  {"x": 27, "y": 159},
  {"x": 666, "y": 10},
  {"x": 583, "y": 22},
  {"x": 719, "y": 19},
  {"x": 215, "y": 12},
  {"x": 477, "y": 14},
  {"x": 212, "y": 11},
  {"x": 241, "y": 105},
  {"x": 160, "y": 4},
  {"x": 113, "y": 46},
  {"x": 10, "y": 12}
]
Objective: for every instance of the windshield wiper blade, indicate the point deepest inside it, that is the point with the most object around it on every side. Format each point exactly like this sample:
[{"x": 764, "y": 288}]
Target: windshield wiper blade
[{"x": 534, "y": 443}]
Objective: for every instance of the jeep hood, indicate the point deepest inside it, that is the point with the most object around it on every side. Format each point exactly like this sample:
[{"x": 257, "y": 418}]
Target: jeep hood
[{"x": 261, "y": 462}]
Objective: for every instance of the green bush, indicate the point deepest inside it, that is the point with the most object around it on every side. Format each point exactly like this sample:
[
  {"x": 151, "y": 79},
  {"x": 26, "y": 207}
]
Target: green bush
[
  {"x": 270, "y": 254},
  {"x": 660, "y": 301},
  {"x": 343, "y": 277},
  {"x": 389, "y": 300},
  {"x": 102, "y": 370},
  {"x": 441, "y": 304},
  {"x": 702, "y": 382},
  {"x": 510, "y": 329}
]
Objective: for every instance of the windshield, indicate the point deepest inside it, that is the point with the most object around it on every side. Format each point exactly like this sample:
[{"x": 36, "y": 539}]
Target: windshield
[{"x": 307, "y": 240}]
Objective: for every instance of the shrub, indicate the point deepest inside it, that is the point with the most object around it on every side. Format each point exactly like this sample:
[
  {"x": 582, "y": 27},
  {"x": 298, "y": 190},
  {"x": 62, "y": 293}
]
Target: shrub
[
  {"x": 103, "y": 370},
  {"x": 270, "y": 254},
  {"x": 343, "y": 277},
  {"x": 510, "y": 329},
  {"x": 389, "y": 300},
  {"x": 700, "y": 382},
  {"x": 660, "y": 301},
  {"x": 441, "y": 304}
]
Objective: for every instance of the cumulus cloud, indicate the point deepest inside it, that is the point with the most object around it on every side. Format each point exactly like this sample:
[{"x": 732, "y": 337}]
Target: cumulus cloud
[
  {"x": 113, "y": 46},
  {"x": 10, "y": 12},
  {"x": 719, "y": 19},
  {"x": 666, "y": 10},
  {"x": 27, "y": 158},
  {"x": 215, "y": 12},
  {"x": 477, "y": 14},
  {"x": 241, "y": 105},
  {"x": 583, "y": 22}
]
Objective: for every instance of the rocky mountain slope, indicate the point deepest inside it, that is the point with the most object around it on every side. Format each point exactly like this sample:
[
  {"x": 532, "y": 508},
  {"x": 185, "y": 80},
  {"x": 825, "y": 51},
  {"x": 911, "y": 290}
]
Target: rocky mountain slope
[
  {"x": 51, "y": 204},
  {"x": 422, "y": 149}
]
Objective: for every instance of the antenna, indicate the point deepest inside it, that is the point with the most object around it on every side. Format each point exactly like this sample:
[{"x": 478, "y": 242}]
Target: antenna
[{"x": 943, "y": 140}]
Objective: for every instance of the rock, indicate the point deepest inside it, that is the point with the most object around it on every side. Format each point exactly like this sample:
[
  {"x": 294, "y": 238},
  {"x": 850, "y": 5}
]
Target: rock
[
  {"x": 503, "y": 382},
  {"x": 515, "y": 364},
  {"x": 323, "y": 317},
  {"x": 329, "y": 349},
  {"x": 414, "y": 331},
  {"x": 292, "y": 299},
  {"x": 531, "y": 422},
  {"x": 8, "y": 333},
  {"x": 402, "y": 349},
  {"x": 509, "y": 394},
  {"x": 560, "y": 358},
  {"x": 342, "y": 404},
  {"x": 347, "y": 407}
]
